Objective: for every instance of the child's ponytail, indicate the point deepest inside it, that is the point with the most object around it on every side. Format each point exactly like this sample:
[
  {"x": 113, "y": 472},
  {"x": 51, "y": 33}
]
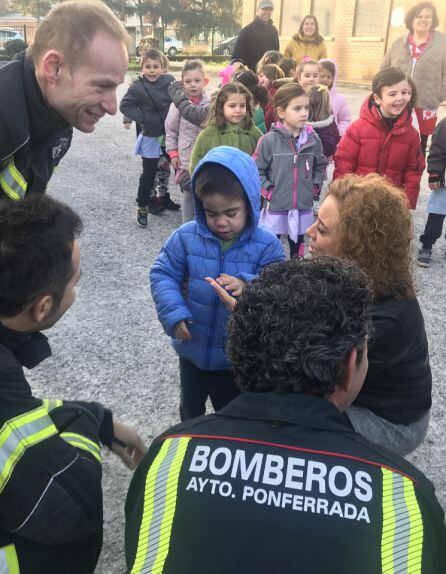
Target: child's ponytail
[{"x": 320, "y": 108}]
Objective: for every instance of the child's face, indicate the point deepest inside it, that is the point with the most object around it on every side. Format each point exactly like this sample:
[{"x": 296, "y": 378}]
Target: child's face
[
  {"x": 263, "y": 80},
  {"x": 152, "y": 69},
  {"x": 225, "y": 217},
  {"x": 309, "y": 76},
  {"x": 295, "y": 115},
  {"x": 325, "y": 78},
  {"x": 393, "y": 99},
  {"x": 194, "y": 82},
  {"x": 234, "y": 109}
]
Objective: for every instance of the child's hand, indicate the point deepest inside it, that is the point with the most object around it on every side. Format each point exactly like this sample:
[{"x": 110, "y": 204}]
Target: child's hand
[
  {"x": 127, "y": 125},
  {"x": 182, "y": 332},
  {"x": 224, "y": 296},
  {"x": 175, "y": 162},
  {"x": 230, "y": 283}
]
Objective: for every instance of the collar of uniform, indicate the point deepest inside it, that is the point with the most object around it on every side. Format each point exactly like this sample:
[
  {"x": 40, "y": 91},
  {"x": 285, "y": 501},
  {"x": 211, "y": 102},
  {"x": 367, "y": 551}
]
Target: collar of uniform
[
  {"x": 292, "y": 408},
  {"x": 30, "y": 349},
  {"x": 43, "y": 121}
]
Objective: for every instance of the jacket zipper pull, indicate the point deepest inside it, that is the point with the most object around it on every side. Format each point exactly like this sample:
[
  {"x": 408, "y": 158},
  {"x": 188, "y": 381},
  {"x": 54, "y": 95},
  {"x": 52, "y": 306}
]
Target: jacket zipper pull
[
  {"x": 295, "y": 159},
  {"x": 307, "y": 168}
]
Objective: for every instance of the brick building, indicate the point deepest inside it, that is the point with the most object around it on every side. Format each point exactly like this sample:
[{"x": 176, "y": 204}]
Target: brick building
[{"x": 357, "y": 32}]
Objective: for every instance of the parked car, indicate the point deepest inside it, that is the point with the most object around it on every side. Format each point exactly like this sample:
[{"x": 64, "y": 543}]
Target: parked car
[
  {"x": 7, "y": 34},
  {"x": 171, "y": 45},
  {"x": 225, "y": 47}
]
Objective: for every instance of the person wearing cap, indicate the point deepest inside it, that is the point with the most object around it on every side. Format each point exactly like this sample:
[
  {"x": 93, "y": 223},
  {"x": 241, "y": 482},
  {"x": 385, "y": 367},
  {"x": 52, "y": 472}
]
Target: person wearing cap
[{"x": 257, "y": 37}]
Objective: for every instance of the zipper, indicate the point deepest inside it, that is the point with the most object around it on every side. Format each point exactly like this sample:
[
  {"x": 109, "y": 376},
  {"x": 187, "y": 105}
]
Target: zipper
[
  {"x": 295, "y": 173},
  {"x": 214, "y": 313}
]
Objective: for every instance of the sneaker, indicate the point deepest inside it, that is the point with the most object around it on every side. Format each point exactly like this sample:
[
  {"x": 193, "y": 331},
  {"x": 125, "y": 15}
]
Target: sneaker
[
  {"x": 167, "y": 203},
  {"x": 424, "y": 257},
  {"x": 155, "y": 207},
  {"x": 141, "y": 216}
]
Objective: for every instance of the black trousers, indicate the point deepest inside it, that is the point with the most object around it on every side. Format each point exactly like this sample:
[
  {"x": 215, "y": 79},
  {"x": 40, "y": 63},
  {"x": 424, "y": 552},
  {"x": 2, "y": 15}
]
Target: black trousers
[
  {"x": 146, "y": 181},
  {"x": 294, "y": 246},
  {"x": 197, "y": 385},
  {"x": 433, "y": 230}
]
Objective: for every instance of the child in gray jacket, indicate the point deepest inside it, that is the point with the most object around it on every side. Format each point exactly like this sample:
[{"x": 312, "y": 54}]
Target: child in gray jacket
[{"x": 291, "y": 165}]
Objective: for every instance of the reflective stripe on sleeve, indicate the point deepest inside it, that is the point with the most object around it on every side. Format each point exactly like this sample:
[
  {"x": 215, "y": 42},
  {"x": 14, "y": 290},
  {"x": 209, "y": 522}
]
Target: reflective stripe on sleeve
[
  {"x": 18, "y": 434},
  {"x": 84, "y": 443},
  {"x": 402, "y": 535},
  {"x": 51, "y": 404},
  {"x": 160, "y": 498},
  {"x": 9, "y": 563},
  {"x": 12, "y": 181}
]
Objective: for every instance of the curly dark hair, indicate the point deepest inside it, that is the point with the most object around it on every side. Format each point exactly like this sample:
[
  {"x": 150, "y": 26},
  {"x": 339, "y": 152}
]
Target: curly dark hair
[
  {"x": 36, "y": 246},
  {"x": 375, "y": 231},
  {"x": 216, "y": 116},
  {"x": 295, "y": 325},
  {"x": 413, "y": 12}
]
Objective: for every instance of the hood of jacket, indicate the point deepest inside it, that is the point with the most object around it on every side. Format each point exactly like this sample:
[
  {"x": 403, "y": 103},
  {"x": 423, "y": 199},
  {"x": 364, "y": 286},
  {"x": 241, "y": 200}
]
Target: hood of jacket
[
  {"x": 302, "y": 40},
  {"x": 333, "y": 89},
  {"x": 370, "y": 112},
  {"x": 322, "y": 123},
  {"x": 278, "y": 127},
  {"x": 244, "y": 169}
]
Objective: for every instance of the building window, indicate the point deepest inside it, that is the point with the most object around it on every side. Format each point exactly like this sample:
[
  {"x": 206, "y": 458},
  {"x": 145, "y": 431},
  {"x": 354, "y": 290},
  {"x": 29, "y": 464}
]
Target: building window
[
  {"x": 370, "y": 18},
  {"x": 324, "y": 10},
  {"x": 291, "y": 17}
]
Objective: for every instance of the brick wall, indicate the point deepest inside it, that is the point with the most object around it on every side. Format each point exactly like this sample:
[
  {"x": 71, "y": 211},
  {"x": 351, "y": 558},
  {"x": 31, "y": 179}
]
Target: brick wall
[{"x": 358, "y": 58}]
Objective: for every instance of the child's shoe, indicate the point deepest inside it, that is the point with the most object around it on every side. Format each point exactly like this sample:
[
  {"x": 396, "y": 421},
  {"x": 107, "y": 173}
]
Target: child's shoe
[
  {"x": 167, "y": 203},
  {"x": 141, "y": 216},
  {"x": 424, "y": 257},
  {"x": 154, "y": 206}
]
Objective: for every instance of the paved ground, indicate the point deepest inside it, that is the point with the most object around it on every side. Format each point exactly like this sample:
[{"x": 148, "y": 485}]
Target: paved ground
[{"x": 110, "y": 347}]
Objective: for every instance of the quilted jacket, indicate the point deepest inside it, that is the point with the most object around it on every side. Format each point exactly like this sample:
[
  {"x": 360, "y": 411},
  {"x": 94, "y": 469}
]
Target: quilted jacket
[
  {"x": 193, "y": 252},
  {"x": 370, "y": 146}
]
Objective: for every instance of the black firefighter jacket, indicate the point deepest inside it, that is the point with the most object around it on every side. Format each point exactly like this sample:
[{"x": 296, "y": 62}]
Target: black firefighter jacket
[
  {"x": 279, "y": 483},
  {"x": 50, "y": 470},
  {"x": 33, "y": 138}
]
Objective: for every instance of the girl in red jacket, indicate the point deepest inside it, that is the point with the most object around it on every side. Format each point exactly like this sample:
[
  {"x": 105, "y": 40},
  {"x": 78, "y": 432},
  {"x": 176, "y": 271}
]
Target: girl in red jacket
[{"x": 383, "y": 139}]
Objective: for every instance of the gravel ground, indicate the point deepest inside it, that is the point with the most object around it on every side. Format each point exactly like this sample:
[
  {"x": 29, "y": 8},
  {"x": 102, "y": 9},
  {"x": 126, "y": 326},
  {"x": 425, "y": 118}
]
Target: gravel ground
[{"x": 110, "y": 346}]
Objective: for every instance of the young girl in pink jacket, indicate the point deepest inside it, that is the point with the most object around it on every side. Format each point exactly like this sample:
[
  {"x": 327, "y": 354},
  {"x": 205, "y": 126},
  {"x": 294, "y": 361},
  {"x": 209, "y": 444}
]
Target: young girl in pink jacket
[
  {"x": 181, "y": 134},
  {"x": 328, "y": 74}
]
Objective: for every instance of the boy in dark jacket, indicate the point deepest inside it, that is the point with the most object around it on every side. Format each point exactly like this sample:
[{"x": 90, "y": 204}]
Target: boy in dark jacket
[
  {"x": 436, "y": 166},
  {"x": 224, "y": 242},
  {"x": 147, "y": 102}
]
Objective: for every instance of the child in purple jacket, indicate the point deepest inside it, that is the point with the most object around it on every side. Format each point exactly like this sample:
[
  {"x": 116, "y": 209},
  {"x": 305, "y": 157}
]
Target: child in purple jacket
[
  {"x": 322, "y": 120},
  {"x": 328, "y": 74}
]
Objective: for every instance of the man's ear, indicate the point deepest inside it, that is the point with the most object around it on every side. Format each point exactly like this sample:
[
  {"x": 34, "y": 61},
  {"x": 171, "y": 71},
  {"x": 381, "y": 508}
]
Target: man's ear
[
  {"x": 348, "y": 379},
  {"x": 50, "y": 65},
  {"x": 206, "y": 81},
  {"x": 41, "y": 308}
]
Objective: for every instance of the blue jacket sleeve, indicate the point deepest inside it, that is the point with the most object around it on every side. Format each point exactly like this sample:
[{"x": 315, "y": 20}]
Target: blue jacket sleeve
[
  {"x": 273, "y": 253},
  {"x": 166, "y": 280}
]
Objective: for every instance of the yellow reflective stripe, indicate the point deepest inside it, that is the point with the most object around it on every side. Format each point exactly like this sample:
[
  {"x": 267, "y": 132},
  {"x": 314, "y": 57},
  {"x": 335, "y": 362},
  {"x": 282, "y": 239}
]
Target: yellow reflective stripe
[
  {"x": 9, "y": 563},
  {"x": 402, "y": 531},
  {"x": 12, "y": 181},
  {"x": 84, "y": 443},
  {"x": 51, "y": 404},
  {"x": 415, "y": 549},
  {"x": 18, "y": 434},
  {"x": 160, "y": 498}
]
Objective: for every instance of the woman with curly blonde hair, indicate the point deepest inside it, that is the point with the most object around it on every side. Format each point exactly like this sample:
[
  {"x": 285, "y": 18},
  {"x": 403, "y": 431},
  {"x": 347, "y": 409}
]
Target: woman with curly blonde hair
[{"x": 367, "y": 220}]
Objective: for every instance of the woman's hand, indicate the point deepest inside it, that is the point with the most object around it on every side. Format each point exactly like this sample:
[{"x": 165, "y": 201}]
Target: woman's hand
[{"x": 224, "y": 296}]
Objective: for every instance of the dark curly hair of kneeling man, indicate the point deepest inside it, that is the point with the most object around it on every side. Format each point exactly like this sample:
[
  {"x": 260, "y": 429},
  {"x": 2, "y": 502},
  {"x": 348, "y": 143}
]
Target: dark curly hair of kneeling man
[{"x": 296, "y": 324}]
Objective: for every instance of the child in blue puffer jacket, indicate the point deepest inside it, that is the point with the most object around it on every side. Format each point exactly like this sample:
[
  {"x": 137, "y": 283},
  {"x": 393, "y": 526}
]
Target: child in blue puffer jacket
[{"x": 224, "y": 242}]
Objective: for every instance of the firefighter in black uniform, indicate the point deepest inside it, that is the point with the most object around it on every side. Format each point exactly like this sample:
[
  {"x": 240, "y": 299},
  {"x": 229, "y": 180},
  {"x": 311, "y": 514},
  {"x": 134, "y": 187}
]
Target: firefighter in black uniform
[
  {"x": 67, "y": 78},
  {"x": 278, "y": 480},
  {"x": 50, "y": 450}
]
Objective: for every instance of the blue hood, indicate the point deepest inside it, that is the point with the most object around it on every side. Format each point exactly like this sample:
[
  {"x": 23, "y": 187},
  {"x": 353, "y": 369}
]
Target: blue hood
[{"x": 244, "y": 169}]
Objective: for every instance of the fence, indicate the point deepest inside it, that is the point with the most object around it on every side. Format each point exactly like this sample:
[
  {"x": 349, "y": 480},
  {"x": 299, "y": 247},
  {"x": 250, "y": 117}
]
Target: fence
[{"x": 180, "y": 42}]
